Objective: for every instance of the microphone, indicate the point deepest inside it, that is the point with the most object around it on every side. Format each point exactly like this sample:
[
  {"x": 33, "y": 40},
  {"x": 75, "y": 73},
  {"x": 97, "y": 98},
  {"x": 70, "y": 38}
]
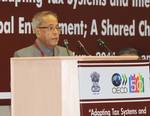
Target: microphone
[
  {"x": 83, "y": 48},
  {"x": 101, "y": 43},
  {"x": 66, "y": 43}
]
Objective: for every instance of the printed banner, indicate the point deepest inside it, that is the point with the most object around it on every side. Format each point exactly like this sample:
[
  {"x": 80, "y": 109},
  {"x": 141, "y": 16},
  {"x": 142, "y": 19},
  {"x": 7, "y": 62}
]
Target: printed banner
[
  {"x": 118, "y": 23},
  {"x": 114, "y": 88}
]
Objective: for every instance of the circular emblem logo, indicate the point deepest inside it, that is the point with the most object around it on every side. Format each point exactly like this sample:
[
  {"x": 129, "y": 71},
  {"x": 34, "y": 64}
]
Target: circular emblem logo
[{"x": 116, "y": 79}]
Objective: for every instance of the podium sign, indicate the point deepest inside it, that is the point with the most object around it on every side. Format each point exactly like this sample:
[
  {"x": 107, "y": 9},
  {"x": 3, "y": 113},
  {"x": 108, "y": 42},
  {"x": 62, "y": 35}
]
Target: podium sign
[{"x": 114, "y": 88}]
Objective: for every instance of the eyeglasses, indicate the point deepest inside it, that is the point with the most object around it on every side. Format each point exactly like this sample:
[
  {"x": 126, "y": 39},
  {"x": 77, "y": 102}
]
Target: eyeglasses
[{"x": 51, "y": 28}]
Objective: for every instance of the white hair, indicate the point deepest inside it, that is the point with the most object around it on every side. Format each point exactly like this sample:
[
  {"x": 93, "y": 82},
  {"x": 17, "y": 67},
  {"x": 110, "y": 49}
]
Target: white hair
[{"x": 38, "y": 18}]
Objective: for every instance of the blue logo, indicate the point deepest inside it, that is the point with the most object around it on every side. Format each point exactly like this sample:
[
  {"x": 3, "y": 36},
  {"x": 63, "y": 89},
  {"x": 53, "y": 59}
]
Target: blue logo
[
  {"x": 95, "y": 77},
  {"x": 119, "y": 82},
  {"x": 116, "y": 79}
]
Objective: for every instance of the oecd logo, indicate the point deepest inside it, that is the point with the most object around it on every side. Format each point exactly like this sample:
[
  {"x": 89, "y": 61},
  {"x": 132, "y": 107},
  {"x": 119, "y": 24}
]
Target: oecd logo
[
  {"x": 95, "y": 77},
  {"x": 119, "y": 82},
  {"x": 116, "y": 79}
]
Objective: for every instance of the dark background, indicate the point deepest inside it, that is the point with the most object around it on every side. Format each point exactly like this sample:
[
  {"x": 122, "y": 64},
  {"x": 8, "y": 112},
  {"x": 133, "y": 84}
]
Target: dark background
[{"x": 117, "y": 15}]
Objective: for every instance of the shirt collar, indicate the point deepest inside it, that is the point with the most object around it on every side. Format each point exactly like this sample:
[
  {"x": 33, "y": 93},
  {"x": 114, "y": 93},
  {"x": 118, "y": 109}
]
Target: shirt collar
[{"x": 45, "y": 50}]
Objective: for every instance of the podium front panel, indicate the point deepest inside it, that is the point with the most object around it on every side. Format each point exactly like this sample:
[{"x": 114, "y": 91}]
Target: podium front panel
[{"x": 44, "y": 87}]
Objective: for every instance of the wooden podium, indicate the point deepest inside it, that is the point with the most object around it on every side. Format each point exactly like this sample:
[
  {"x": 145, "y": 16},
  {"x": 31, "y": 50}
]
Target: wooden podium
[{"x": 48, "y": 86}]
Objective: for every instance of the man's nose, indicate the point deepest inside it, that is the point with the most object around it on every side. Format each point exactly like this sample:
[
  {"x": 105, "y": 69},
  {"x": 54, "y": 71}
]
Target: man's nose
[{"x": 55, "y": 30}]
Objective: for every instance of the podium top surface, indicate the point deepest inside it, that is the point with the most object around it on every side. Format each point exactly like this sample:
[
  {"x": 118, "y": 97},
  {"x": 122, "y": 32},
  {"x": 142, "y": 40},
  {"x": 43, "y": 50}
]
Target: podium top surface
[{"x": 81, "y": 58}]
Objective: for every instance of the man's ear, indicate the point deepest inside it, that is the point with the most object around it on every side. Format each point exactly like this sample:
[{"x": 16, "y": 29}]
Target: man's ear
[
  {"x": 37, "y": 32},
  {"x": 33, "y": 30}
]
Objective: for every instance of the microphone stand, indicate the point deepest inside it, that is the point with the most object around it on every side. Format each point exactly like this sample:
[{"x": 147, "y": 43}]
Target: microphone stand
[
  {"x": 66, "y": 43},
  {"x": 83, "y": 48},
  {"x": 102, "y": 43}
]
